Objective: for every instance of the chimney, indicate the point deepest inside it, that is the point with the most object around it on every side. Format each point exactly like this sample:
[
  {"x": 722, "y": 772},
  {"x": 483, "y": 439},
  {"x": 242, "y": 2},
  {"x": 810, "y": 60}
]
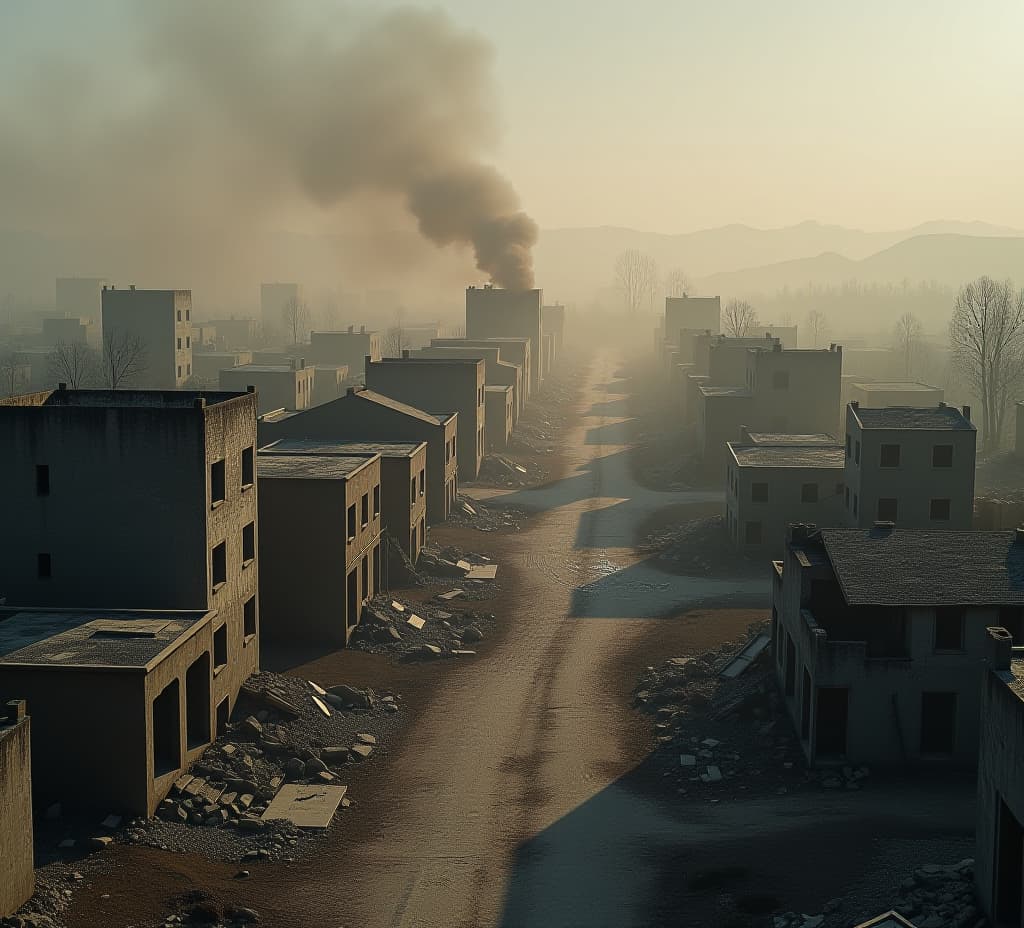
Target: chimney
[
  {"x": 967, "y": 413},
  {"x": 998, "y": 647},
  {"x": 14, "y": 711},
  {"x": 62, "y": 386}
]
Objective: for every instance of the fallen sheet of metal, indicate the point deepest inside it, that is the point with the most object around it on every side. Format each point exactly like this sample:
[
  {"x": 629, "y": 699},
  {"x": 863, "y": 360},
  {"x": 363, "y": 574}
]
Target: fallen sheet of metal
[
  {"x": 482, "y": 572},
  {"x": 746, "y": 657},
  {"x": 310, "y": 806}
]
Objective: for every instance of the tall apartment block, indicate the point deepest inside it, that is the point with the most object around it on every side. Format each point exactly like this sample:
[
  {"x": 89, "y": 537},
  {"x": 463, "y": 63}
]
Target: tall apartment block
[
  {"x": 161, "y": 320},
  {"x": 492, "y": 312}
]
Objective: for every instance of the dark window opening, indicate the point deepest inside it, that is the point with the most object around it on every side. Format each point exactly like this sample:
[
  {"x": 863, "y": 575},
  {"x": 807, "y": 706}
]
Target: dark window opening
[
  {"x": 44, "y": 569},
  {"x": 412, "y": 491},
  {"x": 167, "y": 730},
  {"x": 249, "y": 542},
  {"x": 889, "y": 456},
  {"x": 942, "y": 456},
  {"x": 352, "y": 600},
  {"x": 223, "y": 716},
  {"x": 216, "y": 482},
  {"x": 248, "y": 470},
  {"x": 887, "y": 509},
  {"x": 197, "y": 701},
  {"x": 938, "y": 723},
  {"x": 809, "y": 493},
  {"x": 351, "y": 522},
  {"x": 249, "y": 617},
  {"x": 376, "y": 501},
  {"x": 856, "y": 452},
  {"x": 219, "y": 564},
  {"x": 949, "y": 628},
  {"x": 831, "y": 720},
  {"x": 376, "y": 568},
  {"x": 938, "y": 510},
  {"x": 759, "y": 492},
  {"x": 220, "y": 647},
  {"x": 365, "y": 509},
  {"x": 790, "y": 666},
  {"x": 423, "y": 482},
  {"x": 42, "y": 479},
  {"x": 366, "y": 576}
]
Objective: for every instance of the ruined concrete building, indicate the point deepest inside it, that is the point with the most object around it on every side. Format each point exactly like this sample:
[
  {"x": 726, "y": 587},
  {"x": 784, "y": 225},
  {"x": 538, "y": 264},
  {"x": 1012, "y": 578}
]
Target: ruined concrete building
[
  {"x": 439, "y": 386},
  {"x": 363, "y": 415},
  {"x": 492, "y": 312},
  {"x": 347, "y": 348},
  {"x": 878, "y": 635},
  {"x": 513, "y": 350},
  {"x": 403, "y": 482},
  {"x": 909, "y": 465},
  {"x": 497, "y": 372},
  {"x": 500, "y": 417},
  {"x": 156, "y": 327},
  {"x": 332, "y": 505},
  {"x": 16, "y": 845},
  {"x": 278, "y": 386}
]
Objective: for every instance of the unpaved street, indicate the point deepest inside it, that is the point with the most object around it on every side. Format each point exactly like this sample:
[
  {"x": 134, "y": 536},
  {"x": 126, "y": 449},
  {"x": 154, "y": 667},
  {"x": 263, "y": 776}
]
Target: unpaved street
[{"x": 522, "y": 793}]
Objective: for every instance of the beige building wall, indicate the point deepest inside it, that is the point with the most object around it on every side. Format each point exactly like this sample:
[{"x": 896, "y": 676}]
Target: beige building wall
[
  {"x": 162, "y": 322},
  {"x": 277, "y": 386},
  {"x": 492, "y": 312},
  {"x": 16, "y": 846}
]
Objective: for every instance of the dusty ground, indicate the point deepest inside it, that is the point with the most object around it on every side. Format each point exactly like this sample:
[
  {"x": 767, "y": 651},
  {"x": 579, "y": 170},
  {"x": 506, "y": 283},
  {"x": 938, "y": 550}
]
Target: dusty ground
[{"x": 521, "y": 791}]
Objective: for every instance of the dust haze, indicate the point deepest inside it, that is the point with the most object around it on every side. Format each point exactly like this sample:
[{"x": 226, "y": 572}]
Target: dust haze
[{"x": 193, "y": 147}]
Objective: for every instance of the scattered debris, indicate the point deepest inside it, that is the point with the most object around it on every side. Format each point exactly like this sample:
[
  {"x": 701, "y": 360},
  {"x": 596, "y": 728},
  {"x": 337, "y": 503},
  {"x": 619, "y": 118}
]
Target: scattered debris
[
  {"x": 307, "y": 806},
  {"x": 427, "y": 634},
  {"x": 699, "y": 546},
  {"x": 487, "y": 517}
]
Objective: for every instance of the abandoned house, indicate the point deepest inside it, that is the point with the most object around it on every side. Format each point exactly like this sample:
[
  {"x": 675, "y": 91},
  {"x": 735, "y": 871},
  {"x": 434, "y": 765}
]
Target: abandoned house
[
  {"x": 999, "y": 832},
  {"x": 155, "y": 325},
  {"x": 16, "y": 844},
  {"x": 702, "y": 313},
  {"x": 104, "y": 483},
  {"x": 347, "y": 348},
  {"x": 403, "y": 484},
  {"x": 500, "y": 406},
  {"x": 333, "y": 504},
  {"x": 876, "y": 394},
  {"x": 207, "y": 365},
  {"x": 439, "y": 386},
  {"x": 329, "y": 382},
  {"x": 492, "y": 312},
  {"x": 144, "y": 692},
  {"x": 910, "y": 465},
  {"x": 771, "y": 484},
  {"x": 235, "y": 333},
  {"x": 363, "y": 415},
  {"x": 497, "y": 372},
  {"x": 278, "y": 386},
  {"x": 513, "y": 350},
  {"x": 878, "y": 635},
  {"x": 724, "y": 357}
]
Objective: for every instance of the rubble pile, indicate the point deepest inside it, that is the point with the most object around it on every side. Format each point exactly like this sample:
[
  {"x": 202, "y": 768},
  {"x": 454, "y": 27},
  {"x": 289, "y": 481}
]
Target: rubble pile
[
  {"x": 496, "y": 470},
  {"x": 728, "y": 736},
  {"x": 198, "y": 908},
  {"x": 661, "y": 461},
  {"x": 699, "y": 545},
  {"x": 424, "y": 631},
  {"x": 485, "y": 517},
  {"x": 55, "y": 885},
  {"x": 284, "y": 730}
]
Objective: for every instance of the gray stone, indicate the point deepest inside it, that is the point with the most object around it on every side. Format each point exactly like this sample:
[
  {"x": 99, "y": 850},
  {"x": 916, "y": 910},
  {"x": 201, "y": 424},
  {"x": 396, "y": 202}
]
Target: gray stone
[
  {"x": 295, "y": 768},
  {"x": 251, "y": 726},
  {"x": 334, "y": 755},
  {"x": 366, "y": 738},
  {"x": 314, "y": 766},
  {"x": 472, "y": 634},
  {"x": 350, "y": 696},
  {"x": 361, "y": 751}
]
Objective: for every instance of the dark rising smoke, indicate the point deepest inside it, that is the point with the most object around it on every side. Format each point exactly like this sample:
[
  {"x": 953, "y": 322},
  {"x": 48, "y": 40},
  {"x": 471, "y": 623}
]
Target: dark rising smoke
[{"x": 219, "y": 118}]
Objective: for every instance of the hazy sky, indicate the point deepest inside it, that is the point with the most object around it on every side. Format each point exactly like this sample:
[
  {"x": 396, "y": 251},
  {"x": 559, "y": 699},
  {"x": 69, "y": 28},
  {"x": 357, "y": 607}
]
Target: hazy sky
[{"x": 672, "y": 115}]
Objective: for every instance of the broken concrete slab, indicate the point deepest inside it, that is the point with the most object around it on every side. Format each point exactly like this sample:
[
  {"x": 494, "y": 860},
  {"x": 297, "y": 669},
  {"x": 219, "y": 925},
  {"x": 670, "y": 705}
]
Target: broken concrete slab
[
  {"x": 482, "y": 572},
  {"x": 687, "y": 760},
  {"x": 713, "y": 775},
  {"x": 350, "y": 696},
  {"x": 334, "y": 755},
  {"x": 365, "y": 737},
  {"x": 415, "y": 621},
  {"x": 361, "y": 751},
  {"x": 462, "y": 652},
  {"x": 310, "y": 806},
  {"x": 450, "y": 595},
  {"x": 397, "y": 606}
]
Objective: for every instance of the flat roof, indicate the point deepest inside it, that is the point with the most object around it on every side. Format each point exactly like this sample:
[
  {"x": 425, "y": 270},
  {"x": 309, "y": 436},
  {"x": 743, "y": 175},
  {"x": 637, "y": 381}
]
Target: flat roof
[
  {"x": 831, "y": 456},
  {"x": 790, "y": 438},
  {"x": 419, "y": 359},
  {"x": 310, "y": 466},
  {"x": 266, "y": 369},
  {"x": 386, "y": 449},
  {"x": 906, "y": 386},
  {"x": 372, "y": 396},
  {"x": 905, "y": 567},
  {"x": 122, "y": 399},
  {"x": 912, "y": 417},
  {"x": 92, "y": 638},
  {"x": 712, "y": 390}
]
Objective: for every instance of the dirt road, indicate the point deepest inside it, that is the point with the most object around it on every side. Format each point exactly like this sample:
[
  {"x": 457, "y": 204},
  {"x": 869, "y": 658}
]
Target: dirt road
[{"x": 520, "y": 795}]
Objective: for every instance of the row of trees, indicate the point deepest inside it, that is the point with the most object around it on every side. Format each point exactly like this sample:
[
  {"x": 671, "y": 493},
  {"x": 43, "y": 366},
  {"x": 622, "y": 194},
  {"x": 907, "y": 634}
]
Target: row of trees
[
  {"x": 637, "y": 278},
  {"x": 119, "y": 363}
]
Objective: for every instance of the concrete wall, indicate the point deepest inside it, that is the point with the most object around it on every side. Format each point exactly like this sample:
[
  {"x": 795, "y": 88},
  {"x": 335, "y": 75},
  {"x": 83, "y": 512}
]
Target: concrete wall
[
  {"x": 808, "y": 403},
  {"x": 553, "y": 322},
  {"x": 439, "y": 387},
  {"x": 895, "y": 394},
  {"x": 286, "y": 387},
  {"x": 720, "y": 418},
  {"x": 401, "y": 512},
  {"x": 274, "y": 297},
  {"x": 18, "y": 880},
  {"x": 497, "y": 372},
  {"x": 728, "y": 357},
  {"x": 162, "y": 321},
  {"x": 207, "y": 365},
  {"x": 235, "y": 333},
  {"x": 513, "y": 350},
  {"x": 328, "y": 383},
  {"x": 492, "y": 312},
  {"x": 499, "y": 417},
  {"x": 693, "y": 312},
  {"x": 349, "y": 348}
]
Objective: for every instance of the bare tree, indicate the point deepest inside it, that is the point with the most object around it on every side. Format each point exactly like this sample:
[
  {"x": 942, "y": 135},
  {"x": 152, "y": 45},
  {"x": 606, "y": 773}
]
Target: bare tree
[
  {"x": 739, "y": 318},
  {"x": 817, "y": 325},
  {"x": 73, "y": 363},
  {"x": 394, "y": 338},
  {"x": 677, "y": 283},
  {"x": 636, "y": 276},
  {"x": 330, "y": 313},
  {"x": 906, "y": 339},
  {"x": 124, "y": 358},
  {"x": 13, "y": 378},
  {"x": 986, "y": 336},
  {"x": 295, "y": 314}
]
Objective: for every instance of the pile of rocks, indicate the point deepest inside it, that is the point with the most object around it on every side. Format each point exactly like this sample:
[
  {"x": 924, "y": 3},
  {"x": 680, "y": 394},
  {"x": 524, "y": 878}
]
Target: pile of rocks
[
  {"x": 699, "y": 546},
  {"x": 718, "y": 736},
  {"x": 496, "y": 470},
  {"x": 198, "y": 908},
  {"x": 485, "y": 517},
  {"x": 941, "y": 896},
  {"x": 424, "y": 631}
]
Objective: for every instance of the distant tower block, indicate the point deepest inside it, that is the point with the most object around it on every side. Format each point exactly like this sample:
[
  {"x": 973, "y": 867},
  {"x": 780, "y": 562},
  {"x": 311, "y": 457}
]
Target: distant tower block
[{"x": 495, "y": 313}]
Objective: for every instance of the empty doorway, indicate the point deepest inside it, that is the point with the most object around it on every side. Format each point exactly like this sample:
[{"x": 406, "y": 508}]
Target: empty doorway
[
  {"x": 938, "y": 723},
  {"x": 167, "y": 730},
  {"x": 197, "y": 701},
  {"x": 831, "y": 721}
]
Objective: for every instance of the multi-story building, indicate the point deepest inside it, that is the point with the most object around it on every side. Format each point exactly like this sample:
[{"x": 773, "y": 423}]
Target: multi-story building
[
  {"x": 403, "y": 482},
  {"x": 699, "y": 313},
  {"x": 363, "y": 415},
  {"x": 330, "y": 382},
  {"x": 136, "y": 500},
  {"x": 497, "y": 373},
  {"x": 333, "y": 503},
  {"x": 155, "y": 325},
  {"x": 492, "y": 312},
  {"x": 439, "y": 386},
  {"x": 875, "y": 394},
  {"x": 513, "y": 350},
  {"x": 275, "y": 298},
  {"x": 207, "y": 365},
  {"x": 71, "y": 330},
  {"x": 910, "y": 465},
  {"x": 80, "y": 298},
  {"x": 878, "y": 637},
  {"x": 235, "y": 333},
  {"x": 725, "y": 359},
  {"x": 278, "y": 386},
  {"x": 552, "y": 319},
  {"x": 349, "y": 348},
  {"x": 16, "y": 844},
  {"x": 773, "y": 481},
  {"x": 500, "y": 405}
]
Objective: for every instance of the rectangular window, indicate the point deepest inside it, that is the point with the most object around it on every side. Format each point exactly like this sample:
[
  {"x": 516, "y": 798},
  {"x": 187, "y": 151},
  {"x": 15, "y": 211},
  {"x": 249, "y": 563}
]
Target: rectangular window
[
  {"x": 42, "y": 479},
  {"x": 220, "y": 647},
  {"x": 809, "y": 493},
  {"x": 188, "y": 341},
  {"x": 949, "y": 628},
  {"x": 942, "y": 456},
  {"x": 188, "y": 369},
  {"x": 780, "y": 380},
  {"x": 890, "y": 456},
  {"x": 179, "y": 345},
  {"x": 248, "y": 468},
  {"x": 352, "y": 522},
  {"x": 249, "y": 542},
  {"x": 249, "y": 617},
  {"x": 759, "y": 492},
  {"x": 376, "y": 501},
  {"x": 43, "y": 566},
  {"x": 938, "y": 510},
  {"x": 412, "y": 491},
  {"x": 179, "y": 315},
  {"x": 188, "y": 315},
  {"x": 365, "y": 510},
  {"x": 753, "y": 533},
  {"x": 423, "y": 481},
  {"x": 887, "y": 509},
  {"x": 219, "y": 565},
  {"x": 179, "y": 371},
  {"x": 216, "y": 482},
  {"x": 366, "y": 576}
]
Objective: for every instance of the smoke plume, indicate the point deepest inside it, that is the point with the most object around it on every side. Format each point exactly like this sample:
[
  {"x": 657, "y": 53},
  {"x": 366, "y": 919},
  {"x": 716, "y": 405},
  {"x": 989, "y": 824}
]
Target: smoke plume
[{"x": 217, "y": 119}]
